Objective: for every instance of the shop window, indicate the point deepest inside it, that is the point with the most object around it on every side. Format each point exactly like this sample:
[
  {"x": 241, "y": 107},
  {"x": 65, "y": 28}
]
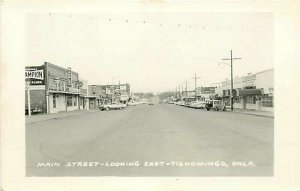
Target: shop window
[
  {"x": 251, "y": 100},
  {"x": 54, "y": 101},
  {"x": 267, "y": 101},
  {"x": 236, "y": 100},
  {"x": 69, "y": 101}
]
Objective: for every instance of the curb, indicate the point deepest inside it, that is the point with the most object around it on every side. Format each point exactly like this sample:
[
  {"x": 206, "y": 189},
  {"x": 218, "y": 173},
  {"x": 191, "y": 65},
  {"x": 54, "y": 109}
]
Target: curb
[
  {"x": 259, "y": 115},
  {"x": 61, "y": 117}
]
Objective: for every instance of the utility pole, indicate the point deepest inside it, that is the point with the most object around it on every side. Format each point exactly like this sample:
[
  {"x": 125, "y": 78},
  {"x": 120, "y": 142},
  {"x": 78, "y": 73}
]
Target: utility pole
[
  {"x": 231, "y": 77},
  {"x": 119, "y": 91},
  {"x": 186, "y": 91},
  {"x": 196, "y": 77}
]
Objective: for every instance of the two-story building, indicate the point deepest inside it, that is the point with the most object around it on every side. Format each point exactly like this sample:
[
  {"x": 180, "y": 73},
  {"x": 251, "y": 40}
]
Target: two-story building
[
  {"x": 103, "y": 94},
  {"x": 54, "y": 89}
]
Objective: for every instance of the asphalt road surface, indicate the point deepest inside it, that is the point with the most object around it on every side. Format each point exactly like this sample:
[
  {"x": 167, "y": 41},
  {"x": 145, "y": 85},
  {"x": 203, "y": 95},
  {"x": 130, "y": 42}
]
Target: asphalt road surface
[{"x": 159, "y": 140}]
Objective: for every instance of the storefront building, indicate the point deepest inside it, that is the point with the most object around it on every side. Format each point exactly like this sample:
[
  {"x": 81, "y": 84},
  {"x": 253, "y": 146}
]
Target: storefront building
[
  {"x": 105, "y": 94},
  {"x": 205, "y": 93},
  {"x": 58, "y": 89},
  {"x": 253, "y": 91}
]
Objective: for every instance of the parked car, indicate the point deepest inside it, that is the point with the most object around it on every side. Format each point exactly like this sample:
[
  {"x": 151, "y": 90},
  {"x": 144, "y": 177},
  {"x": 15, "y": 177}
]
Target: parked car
[
  {"x": 200, "y": 105},
  {"x": 112, "y": 106},
  {"x": 150, "y": 103},
  {"x": 182, "y": 103},
  {"x": 187, "y": 104},
  {"x": 213, "y": 104},
  {"x": 131, "y": 103},
  {"x": 193, "y": 104}
]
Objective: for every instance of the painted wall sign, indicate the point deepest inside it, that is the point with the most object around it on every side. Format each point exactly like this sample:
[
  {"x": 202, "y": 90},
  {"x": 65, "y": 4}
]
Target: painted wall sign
[{"x": 35, "y": 75}]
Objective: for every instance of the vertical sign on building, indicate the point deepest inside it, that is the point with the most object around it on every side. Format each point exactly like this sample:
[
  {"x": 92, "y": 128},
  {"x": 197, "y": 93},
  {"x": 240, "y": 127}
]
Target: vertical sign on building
[
  {"x": 69, "y": 77},
  {"x": 94, "y": 89}
]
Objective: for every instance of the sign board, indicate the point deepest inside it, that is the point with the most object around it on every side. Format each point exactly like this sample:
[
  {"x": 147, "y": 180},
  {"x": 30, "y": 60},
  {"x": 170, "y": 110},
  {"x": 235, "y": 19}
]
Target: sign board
[
  {"x": 94, "y": 89},
  {"x": 69, "y": 77},
  {"x": 73, "y": 90},
  {"x": 35, "y": 75}
]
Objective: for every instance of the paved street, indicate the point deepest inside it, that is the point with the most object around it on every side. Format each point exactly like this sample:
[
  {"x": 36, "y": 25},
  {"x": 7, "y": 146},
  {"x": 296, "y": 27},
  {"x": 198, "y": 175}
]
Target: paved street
[{"x": 164, "y": 140}]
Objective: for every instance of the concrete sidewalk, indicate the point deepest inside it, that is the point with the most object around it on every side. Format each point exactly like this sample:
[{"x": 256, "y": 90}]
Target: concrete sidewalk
[
  {"x": 45, "y": 117},
  {"x": 253, "y": 112}
]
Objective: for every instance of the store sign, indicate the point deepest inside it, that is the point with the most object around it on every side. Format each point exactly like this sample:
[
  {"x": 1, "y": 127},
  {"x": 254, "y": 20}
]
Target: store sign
[
  {"x": 35, "y": 75},
  {"x": 69, "y": 77},
  {"x": 73, "y": 90}
]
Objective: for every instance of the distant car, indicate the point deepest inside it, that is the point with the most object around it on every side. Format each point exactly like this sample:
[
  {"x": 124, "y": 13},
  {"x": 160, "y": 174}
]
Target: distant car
[
  {"x": 181, "y": 103},
  {"x": 200, "y": 104},
  {"x": 151, "y": 103},
  {"x": 193, "y": 104},
  {"x": 112, "y": 106},
  {"x": 187, "y": 104},
  {"x": 213, "y": 104},
  {"x": 132, "y": 103}
]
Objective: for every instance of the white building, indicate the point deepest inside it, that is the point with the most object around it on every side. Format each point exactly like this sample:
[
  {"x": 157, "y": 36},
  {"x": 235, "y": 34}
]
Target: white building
[{"x": 253, "y": 91}]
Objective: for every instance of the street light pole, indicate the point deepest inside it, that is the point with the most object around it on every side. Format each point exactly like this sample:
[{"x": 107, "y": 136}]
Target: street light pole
[{"x": 231, "y": 78}]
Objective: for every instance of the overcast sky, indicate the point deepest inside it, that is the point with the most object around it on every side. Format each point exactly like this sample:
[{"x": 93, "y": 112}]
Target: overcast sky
[{"x": 153, "y": 52}]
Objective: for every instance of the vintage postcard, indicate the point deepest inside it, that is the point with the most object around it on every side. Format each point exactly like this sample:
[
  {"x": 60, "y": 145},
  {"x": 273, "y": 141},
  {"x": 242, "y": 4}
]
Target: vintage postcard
[{"x": 149, "y": 95}]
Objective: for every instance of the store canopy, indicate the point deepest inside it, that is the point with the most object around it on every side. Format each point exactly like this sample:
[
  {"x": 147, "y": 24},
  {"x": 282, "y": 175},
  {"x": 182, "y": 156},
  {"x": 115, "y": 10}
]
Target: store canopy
[{"x": 246, "y": 92}]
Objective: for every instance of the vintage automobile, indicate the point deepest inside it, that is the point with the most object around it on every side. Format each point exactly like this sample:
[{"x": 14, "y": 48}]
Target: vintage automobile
[
  {"x": 131, "y": 103},
  {"x": 199, "y": 105},
  {"x": 150, "y": 103},
  {"x": 192, "y": 104},
  {"x": 112, "y": 106},
  {"x": 213, "y": 104}
]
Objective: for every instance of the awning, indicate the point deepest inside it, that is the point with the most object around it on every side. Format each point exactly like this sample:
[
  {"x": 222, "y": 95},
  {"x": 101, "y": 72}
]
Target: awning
[
  {"x": 90, "y": 96},
  {"x": 62, "y": 92},
  {"x": 246, "y": 92}
]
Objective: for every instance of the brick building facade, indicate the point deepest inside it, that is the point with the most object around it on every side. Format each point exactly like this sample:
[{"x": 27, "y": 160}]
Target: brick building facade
[{"x": 60, "y": 89}]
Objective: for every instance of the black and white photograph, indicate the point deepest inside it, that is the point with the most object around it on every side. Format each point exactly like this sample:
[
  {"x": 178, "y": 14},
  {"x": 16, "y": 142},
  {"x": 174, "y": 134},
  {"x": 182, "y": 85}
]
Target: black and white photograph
[{"x": 150, "y": 92}]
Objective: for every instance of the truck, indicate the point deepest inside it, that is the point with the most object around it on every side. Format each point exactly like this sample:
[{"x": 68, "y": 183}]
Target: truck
[{"x": 214, "y": 104}]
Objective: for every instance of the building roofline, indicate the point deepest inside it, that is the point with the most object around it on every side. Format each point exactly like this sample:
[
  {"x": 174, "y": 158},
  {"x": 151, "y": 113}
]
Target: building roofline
[
  {"x": 59, "y": 67},
  {"x": 265, "y": 71}
]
